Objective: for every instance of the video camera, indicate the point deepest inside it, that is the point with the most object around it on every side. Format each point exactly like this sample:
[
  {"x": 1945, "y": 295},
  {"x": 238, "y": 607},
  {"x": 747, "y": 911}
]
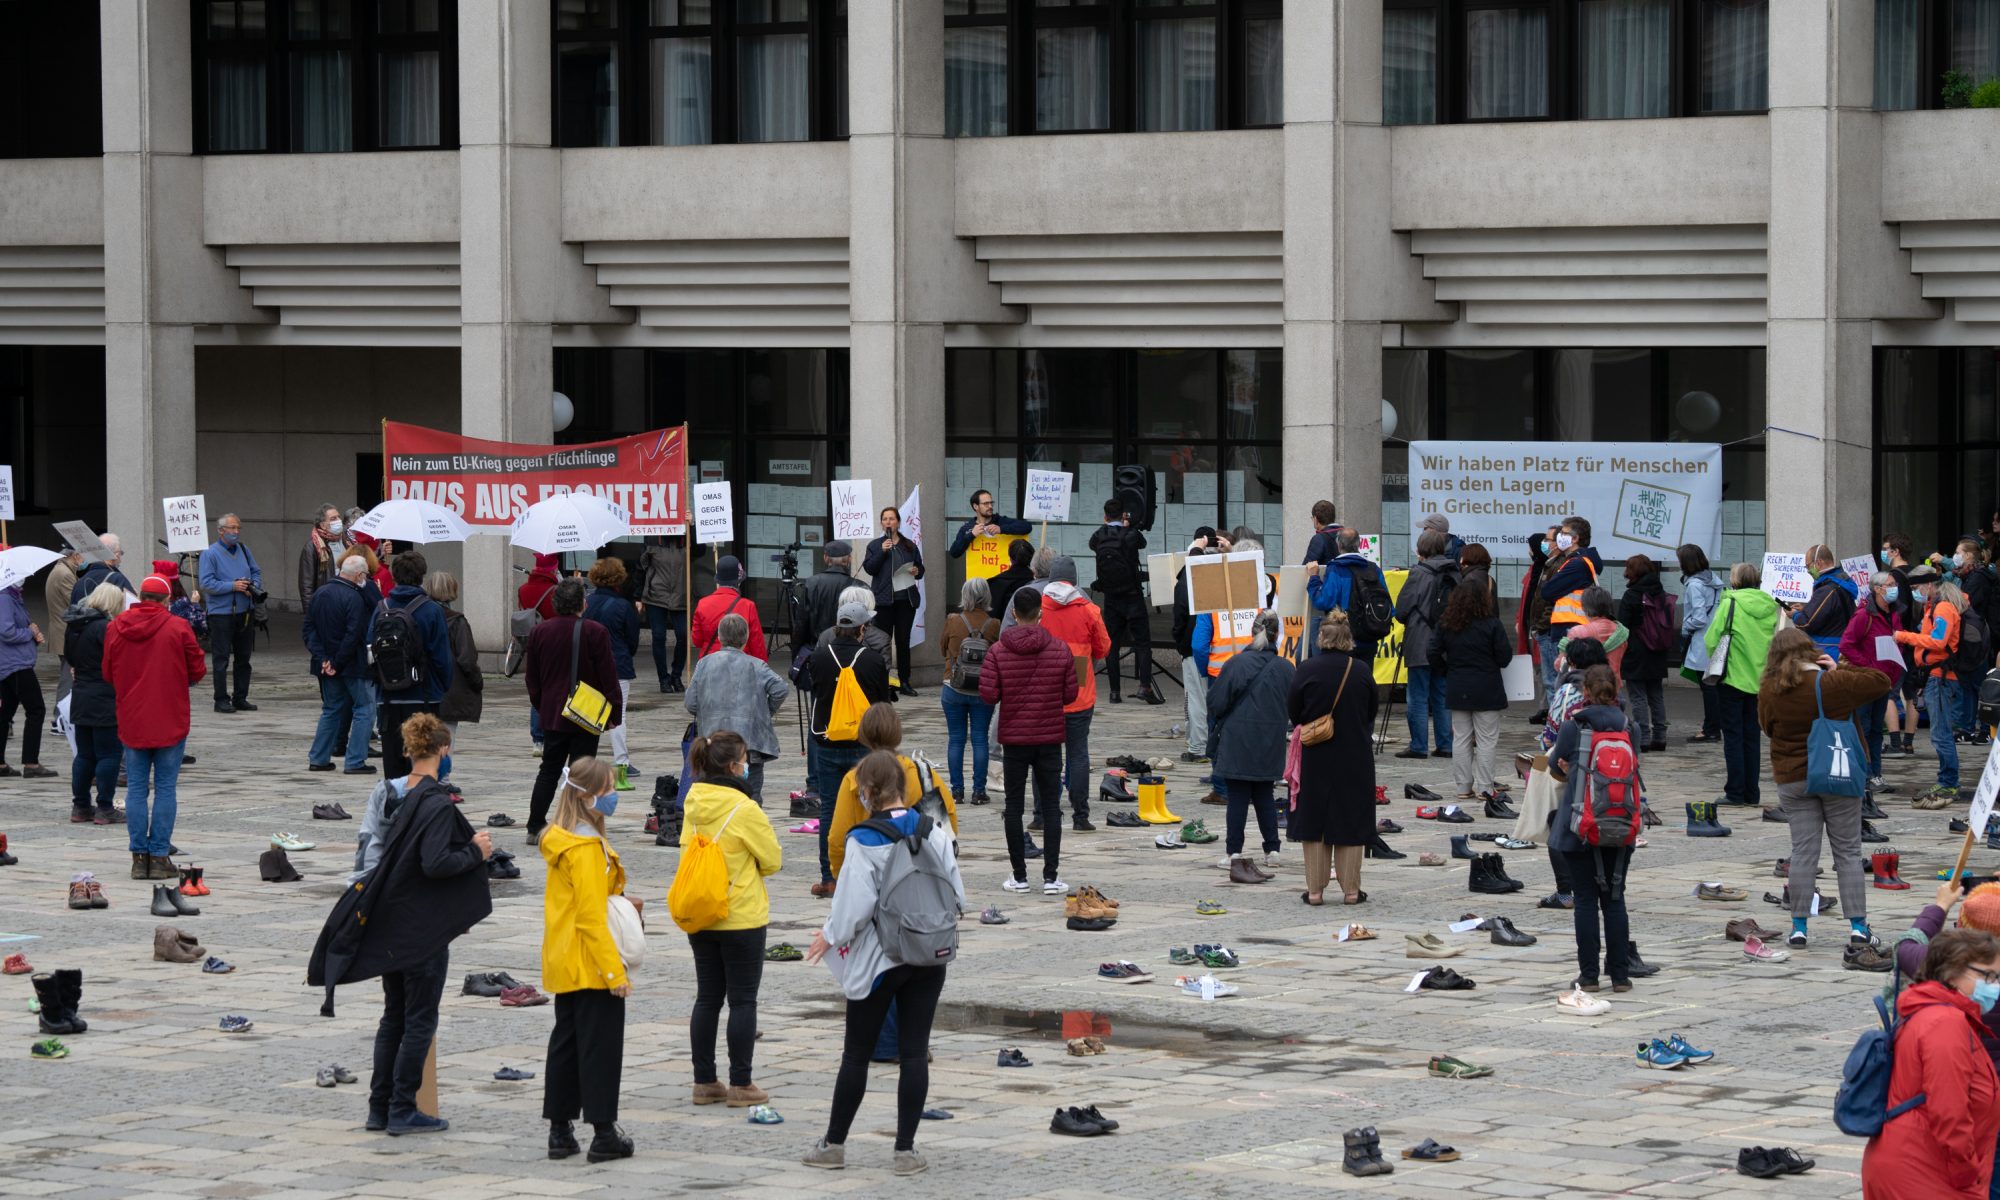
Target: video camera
[{"x": 788, "y": 562}]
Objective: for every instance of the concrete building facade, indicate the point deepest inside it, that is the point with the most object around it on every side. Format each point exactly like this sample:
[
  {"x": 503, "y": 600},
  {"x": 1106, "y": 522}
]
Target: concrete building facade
[{"x": 1228, "y": 240}]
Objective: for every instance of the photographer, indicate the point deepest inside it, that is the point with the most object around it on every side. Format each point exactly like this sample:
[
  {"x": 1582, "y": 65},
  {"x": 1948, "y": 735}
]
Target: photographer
[{"x": 233, "y": 587}]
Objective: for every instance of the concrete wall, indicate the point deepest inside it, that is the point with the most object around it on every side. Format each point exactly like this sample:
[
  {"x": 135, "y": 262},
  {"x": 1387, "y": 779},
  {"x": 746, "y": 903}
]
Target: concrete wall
[
  {"x": 278, "y": 429},
  {"x": 304, "y": 199},
  {"x": 1941, "y": 166},
  {"x": 646, "y": 193},
  {"x": 51, "y": 202},
  {"x": 1121, "y": 183}
]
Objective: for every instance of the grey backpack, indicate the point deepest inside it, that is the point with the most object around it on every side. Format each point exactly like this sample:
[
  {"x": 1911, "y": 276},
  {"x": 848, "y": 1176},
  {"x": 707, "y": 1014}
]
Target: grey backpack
[{"x": 916, "y": 906}]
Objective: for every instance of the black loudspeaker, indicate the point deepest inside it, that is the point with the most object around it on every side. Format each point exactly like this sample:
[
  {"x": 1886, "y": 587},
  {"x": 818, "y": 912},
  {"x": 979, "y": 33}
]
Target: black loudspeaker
[{"x": 1136, "y": 488}]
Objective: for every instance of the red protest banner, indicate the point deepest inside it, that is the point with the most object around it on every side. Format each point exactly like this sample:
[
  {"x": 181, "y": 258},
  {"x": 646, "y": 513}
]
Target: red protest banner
[{"x": 488, "y": 484}]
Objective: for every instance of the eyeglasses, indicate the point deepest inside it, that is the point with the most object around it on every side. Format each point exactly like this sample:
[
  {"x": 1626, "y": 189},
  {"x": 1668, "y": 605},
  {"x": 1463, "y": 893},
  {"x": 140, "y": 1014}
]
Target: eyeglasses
[{"x": 1992, "y": 976}]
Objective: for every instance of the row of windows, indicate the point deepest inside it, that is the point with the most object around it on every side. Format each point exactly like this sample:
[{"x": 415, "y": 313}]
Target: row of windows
[{"x": 1918, "y": 41}]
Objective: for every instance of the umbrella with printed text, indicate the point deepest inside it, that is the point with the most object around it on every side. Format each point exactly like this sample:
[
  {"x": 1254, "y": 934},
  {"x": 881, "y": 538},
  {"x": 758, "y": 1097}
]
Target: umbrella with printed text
[
  {"x": 20, "y": 562},
  {"x": 412, "y": 522},
  {"x": 570, "y": 521}
]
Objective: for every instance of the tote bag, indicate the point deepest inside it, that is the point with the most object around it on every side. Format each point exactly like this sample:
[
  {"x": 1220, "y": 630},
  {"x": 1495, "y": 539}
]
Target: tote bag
[{"x": 1834, "y": 764}]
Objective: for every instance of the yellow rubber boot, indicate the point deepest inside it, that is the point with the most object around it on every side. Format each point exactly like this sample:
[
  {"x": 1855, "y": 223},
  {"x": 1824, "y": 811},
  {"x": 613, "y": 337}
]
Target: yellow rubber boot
[{"x": 1153, "y": 805}]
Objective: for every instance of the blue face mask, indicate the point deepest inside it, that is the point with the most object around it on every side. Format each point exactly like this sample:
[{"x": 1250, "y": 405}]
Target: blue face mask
[
  {"x": 1884, "y": 556},
  {"x": 1984, "y": 994},
  {"x": 606, "y": 804},
  {"x": 229, "y": 539},
  {"x": 1890, "y": 594}
]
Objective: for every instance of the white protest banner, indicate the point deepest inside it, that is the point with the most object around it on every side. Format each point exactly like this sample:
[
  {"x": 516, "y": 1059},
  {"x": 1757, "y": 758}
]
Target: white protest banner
[
  {"x": 1369, "y": 546},
  {"x": 1640, "y": 497},
  {"x": 1161, "y": 572},
  {"x": 714, "y": 514},
  {"x": 853, "y": 510},
  {"x": 1518, "y": 677},
  {"x": 1786, "y": 579},
  {"x": 80, "y": 538},
  {"x": 6, "y": 493},
  {"x": 1982, "y": 799},
  {"x": 187, "y": 524},
  {"x": 1047, "y": 498},
  {"x": 913, "y": 528},
  {"x": 1858, "y": 568}
]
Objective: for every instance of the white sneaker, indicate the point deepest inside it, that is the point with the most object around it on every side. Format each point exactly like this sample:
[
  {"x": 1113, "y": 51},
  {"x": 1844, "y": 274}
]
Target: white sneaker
[
  {"x": 1222, "y": 864},
  {"x": 1053, "y": 887},
  {"x": 1016, "y": 885},
  {"x": 1578, "y": 1002},
  {"x": 1274, "y": 859}
]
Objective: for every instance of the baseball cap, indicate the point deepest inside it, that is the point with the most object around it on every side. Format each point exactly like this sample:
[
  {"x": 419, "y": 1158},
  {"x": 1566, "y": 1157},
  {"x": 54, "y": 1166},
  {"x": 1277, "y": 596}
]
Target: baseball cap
[
  {"x": 852, "y": 616},
  {"x": 837, "y": 549}
]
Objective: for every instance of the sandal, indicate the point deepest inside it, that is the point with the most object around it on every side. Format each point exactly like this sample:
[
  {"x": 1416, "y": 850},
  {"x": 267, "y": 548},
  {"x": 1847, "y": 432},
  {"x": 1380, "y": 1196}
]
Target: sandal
[
  {"x": 1429, "y": 1150},
  {"x": 1357, "y": 932},
  {"x": 1307, "y": 897},
  {"x": 1356, "y": 898}
]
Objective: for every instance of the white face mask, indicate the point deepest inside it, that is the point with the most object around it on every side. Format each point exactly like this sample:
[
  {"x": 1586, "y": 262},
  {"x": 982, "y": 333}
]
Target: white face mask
[
  {"x": 1564, "y": 541},
  {"x": 334, "y": 527}
]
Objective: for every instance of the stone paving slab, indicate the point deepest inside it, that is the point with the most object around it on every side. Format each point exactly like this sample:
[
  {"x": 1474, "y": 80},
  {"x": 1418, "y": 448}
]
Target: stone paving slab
[{"x": 1244, "y": 1097}]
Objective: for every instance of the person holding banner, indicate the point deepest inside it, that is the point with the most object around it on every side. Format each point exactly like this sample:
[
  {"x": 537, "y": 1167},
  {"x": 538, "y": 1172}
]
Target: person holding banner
[
  {"x": 1935, "y": 642},
  {"x": 1248, "y": 718},
  {"x": 663, "y": 596},
  {"x": 894, "y": 564},
  {"x": 985, "y": 523}
]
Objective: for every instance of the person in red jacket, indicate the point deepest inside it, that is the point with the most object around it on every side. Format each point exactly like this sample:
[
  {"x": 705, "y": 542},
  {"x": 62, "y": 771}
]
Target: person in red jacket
[
  {"x": 1071, "y": 618},
  {"x": 1944, "y": 1146},
  {"x": 151, "y": 659},
  {"x": 1032, "y": 677},
  {"x": 727, "y": 598}
]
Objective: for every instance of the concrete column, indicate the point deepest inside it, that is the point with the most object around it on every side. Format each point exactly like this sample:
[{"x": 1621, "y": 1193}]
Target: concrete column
[
  {"x": 902, "y": 259},
  {"x": 1818, "y": 365},
  {"x": 1334, "y": 148},
  {"x": 510, "y": 236}
]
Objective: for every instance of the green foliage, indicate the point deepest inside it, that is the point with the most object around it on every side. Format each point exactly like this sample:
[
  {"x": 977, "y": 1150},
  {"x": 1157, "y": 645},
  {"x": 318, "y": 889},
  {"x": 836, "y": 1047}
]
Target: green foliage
[
  {"x": 1986, "y": 95},
  {"x": 1956, "y": 91}
]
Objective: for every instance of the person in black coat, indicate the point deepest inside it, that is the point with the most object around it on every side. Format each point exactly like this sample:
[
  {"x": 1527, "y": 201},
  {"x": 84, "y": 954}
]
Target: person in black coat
[
  {"x": 398, "y": 922},
  {"x": 1644, "y": 667},
  {"x": 335, "y": 632},
  {"x": 1018, "y": 574},
  {"x": 1333, "y": 810},
  {"x": 1247, "y": 728},
  {"x": 93, "y": 708},
  {"x": 889, "y": 556},
  {"x": 1468, "y": 652}
]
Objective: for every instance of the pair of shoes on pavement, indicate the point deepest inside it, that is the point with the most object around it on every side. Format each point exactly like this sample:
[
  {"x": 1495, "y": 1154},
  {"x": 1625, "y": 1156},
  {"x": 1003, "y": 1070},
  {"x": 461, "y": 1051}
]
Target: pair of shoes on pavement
[
  {"x": 330, "y": 812},
  {"x": 1760, "y": 1162},
  {"x": 491, "y": 984},
  {"x": 1670, "y": 1054},
  {"x": 1081, "y": 1122}
]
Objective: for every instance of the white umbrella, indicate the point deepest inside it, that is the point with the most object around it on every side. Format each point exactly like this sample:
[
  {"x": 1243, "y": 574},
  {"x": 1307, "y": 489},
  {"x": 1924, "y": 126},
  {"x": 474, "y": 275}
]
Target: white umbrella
[
  {"x": 570, "y": 521},
  {"x": 18, "y": 563},
  {"x": 412, "y": 521}
]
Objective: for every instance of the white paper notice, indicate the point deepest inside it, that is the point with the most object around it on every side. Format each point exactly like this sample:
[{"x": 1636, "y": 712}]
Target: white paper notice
[
  {"x": 714, "y": 518},
  {"x": 187, "y": 524},
  {"x": 1886, "y": 650},
  {"x": 6, "y": 493},
  {"x": 1416, "y": 981},
  {"x": 1465, "y": 926},
  {"x": 853, "y": 509},
  {"x": 1048, "y": 496},
  {"x": 1344, "y": 931},
  {"x": 1519, "y": 677},
  {"x": 1989, "y": 786}
]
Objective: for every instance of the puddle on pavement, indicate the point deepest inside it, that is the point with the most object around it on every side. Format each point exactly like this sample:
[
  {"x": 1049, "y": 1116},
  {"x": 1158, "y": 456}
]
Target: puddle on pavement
[{"x": 1061, "y": 1025}]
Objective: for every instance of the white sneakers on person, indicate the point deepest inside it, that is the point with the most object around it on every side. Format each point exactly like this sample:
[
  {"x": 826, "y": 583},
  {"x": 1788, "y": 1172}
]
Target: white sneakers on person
[
  {"x": 1054, "y": 887},
  {"x": 1016, "y": 885}
]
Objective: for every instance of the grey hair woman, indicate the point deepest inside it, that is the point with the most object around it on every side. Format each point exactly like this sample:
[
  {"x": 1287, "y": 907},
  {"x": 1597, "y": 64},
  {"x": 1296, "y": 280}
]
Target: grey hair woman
[{"x": 966, "y": 719}]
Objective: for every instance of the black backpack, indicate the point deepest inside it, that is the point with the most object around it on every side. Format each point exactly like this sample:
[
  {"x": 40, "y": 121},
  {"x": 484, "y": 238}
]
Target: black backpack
[
  {"x": 397, "y": 650},
  {"x": 1117, "y": 569},
  {"x": 1371, "y": 614},
  {"x": 1439, "y": 597},
  {"x": 1974, "y": 655}
]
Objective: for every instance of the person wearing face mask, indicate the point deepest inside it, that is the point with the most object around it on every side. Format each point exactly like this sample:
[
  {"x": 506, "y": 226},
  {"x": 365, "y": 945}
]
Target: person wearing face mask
[
  {"x": 581, "y": 966},
  {"x": 729, "y": 955},
  {"x": 1944, "y": 1145},
  {"x": 1895, "y": 559},
  {"x": 319, "y": 558},
  {"x": 233, "y": 585},
  {"x": 1934, "y": 640},
  {"x": 1874, "y": 618}
]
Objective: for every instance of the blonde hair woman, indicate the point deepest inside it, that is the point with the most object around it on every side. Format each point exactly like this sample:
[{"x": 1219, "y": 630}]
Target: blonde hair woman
[{"x": 581, "y": 965}]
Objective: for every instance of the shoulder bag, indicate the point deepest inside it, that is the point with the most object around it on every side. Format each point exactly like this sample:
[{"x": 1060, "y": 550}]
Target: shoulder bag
[
  {"x": 587, "y": 708},
  {"x": 628, "y": 928},
  {"x": 1718, "y": 659},
  {"x": 1320, "y": 728}
]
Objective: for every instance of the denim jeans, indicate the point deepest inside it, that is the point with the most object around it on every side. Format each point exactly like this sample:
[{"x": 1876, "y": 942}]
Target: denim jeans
[
  {"x": 1941, "y": 698},
  {"x": 1076, "y": 762},
  {"x": 831, "y": 765},
  {"x": 151, "y": 778},
  {"x": 1868, "y": 719},
  {"x": 965, "y": 716},
  {"x": 1742, "y": 744},
  {"x": 346, "y": 711},
  {"x": 1545, "y": 645},
  {"x": 1244, "y": 795},
  {"x": 728, "y": 965},
  {"x": 97, "y": 755},
  {"x": 1427, "y": 710},
  {"x": 659, "y": 620},
  {"x": 403, "y": 1037}
]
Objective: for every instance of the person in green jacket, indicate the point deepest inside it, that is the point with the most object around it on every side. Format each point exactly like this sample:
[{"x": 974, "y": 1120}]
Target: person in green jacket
[{"x": 1748, "y": 617}]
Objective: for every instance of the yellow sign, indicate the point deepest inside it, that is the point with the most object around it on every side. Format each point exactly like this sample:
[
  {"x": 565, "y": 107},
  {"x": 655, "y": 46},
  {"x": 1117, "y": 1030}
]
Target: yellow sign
[
  {"x": 1389, "y": 668},
  {"x": 987, "y": 556}
]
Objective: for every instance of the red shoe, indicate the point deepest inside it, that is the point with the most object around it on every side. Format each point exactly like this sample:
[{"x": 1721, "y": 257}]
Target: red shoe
[
  {"x": 199, "y": 884},
  {"x": 16, "y": 964},
  {"x": 1381, "y": 794},
  {"x": 1427, "y": 812},
  {"x": 1895, "y": 865},
  {"x": 187, "y": 887}
]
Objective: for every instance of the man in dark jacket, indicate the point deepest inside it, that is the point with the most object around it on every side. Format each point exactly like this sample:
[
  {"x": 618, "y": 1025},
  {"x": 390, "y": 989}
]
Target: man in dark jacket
[
  {"x": 103, "y": 571},
  {"x": 1418, "y": 607},
  {"x": 1031, "y": 675},
  {"x": 1825, "y": 614},
  {"x": 1579, "y": 568},
  {"x": 823, "y": 590},
  {"x": 1194, "y": 680},
  {"x": 833, "y": 758},
  {"x": 433, "y": 675},
  {"x": 1126, "y": 617},
  {"x": 985, "y": 523},
  {"x": 93, "y": 715},
  {"x": 1017, "y": 575},
  {"x": 1335, "y": 589},
  {"x": 562, "y": 652},
  {"x": 1321, "y": 549},
  {"x": 336, "y": 626}
]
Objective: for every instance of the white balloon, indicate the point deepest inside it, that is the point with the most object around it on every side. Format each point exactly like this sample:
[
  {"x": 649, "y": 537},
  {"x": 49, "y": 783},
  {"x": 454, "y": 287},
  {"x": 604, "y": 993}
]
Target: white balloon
[
  {"x": 1698, "y": 411},
  {"x": 1388, "y": 419},
  {"x": 565, "y": 412}
]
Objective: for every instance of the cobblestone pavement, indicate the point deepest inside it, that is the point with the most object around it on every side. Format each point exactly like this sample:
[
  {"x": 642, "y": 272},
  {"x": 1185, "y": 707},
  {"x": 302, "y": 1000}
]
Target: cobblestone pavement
[{"x": 1244, "y": 1097}]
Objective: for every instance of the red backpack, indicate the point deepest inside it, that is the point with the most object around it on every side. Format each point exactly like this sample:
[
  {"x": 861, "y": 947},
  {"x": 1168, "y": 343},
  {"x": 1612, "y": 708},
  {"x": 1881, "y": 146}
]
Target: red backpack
[{"x": 1606, "y": 810}]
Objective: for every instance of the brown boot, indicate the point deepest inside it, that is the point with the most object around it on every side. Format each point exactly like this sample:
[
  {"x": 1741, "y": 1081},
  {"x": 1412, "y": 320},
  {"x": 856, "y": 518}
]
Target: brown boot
[
  {"x": 79, "y": 895},
  {"x": 1094, "y": 894},
  {"x": 162, "y": 868},
  {"x": 1088, "y": 909},
  {"x": 1241, "y": 870},
  {"x": 710, "y": 1093},
  {"x": 169, "y": 946},
  {"x": 747, "y": 1095},
  {"x": 142, "y": 867}
]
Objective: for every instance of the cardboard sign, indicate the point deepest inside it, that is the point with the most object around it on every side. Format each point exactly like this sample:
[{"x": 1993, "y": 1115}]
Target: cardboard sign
[
  {"x": 6, "y": 493},
  {"x": 853, "y": 510},
  {"x": 1294, "y": 591},
  {"x": 79, "y": 536},
  {"x": 1786, "y": 579},
  {"x": 1047, "y": 498},
  {"x": 714, "y": 514},
  {"x": 1221, "y": 582},
  {"x": 1859, "y": 568},
  {"x": 1161, "y": 571},
  {"x": 187, "y": 524}
]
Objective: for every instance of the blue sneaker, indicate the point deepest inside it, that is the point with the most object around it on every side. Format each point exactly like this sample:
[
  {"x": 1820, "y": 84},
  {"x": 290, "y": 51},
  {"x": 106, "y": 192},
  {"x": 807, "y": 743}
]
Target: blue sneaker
[
  {"x": 1679, "y": 1045},
  {"x": 417, "y": 1122},
  {"x": 1655, "y": 1055}
]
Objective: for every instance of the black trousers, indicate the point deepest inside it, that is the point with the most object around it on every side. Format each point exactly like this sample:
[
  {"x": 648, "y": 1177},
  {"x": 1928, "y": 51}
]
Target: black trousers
[
  {"x": 562, "y": 744},
  {"x": 1127, "y": 621},
  {"x": 728, "y": 965},
  {"x": 586, "y": 1057},
  {"x": 23, "y": 691},
  {"x": 1045, "y": 763},
  {"x": 897, "y": 619},
  {"x": 914, "y": 991},
  {"x": 403, "y": 1037},
  {"x": 231, "y": 635},
  {"x": 1598, "y": 874},
  {"x": 389, "y": 718}
]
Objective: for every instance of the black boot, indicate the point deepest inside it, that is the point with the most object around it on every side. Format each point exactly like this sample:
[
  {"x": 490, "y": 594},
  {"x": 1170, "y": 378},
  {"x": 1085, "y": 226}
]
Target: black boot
[
  {"x": 53, "y": 1015},
  {"x": 1498, "y": 866},
  {"x": 1363, "y": 1153},
  {"x": 70, "y": 984},
  {"x": 1377, "y": 848},
  {"x": 1871, "y": 811},
  {"x": 1636, "y": 967},
  {"x": 609, "y": 1143},
  {"x": 562, "y": 1140}
]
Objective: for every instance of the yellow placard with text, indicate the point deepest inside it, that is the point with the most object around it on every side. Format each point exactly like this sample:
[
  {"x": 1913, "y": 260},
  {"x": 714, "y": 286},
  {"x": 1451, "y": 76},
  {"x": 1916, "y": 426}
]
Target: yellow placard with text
[
  {"x": 1389, "y": 668},
  {"x": 987, "y": 556}
]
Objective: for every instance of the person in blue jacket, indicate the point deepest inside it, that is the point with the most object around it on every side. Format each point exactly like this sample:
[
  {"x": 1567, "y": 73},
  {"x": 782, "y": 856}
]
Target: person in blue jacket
[
  {"x": 1825, "y": 615},
  {"x": 608, "y": 607},
  {"x": 434, "y": 667},
  {"x": 1335, "y": 589},
  {"x": 231, "y": 585},
  {"x": 983, "y": 523}
]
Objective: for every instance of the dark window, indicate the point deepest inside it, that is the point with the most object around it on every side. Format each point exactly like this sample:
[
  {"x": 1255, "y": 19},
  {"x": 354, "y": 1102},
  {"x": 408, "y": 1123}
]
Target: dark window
[
  {"x": 1937, "y": 439},
  {"x": 325, "y": 76},
  {"x": 1532, "y": 60},
  {"x": 50, "y": 86},
  {"x": 698, "y": 72},
  {"x": 1918, "y": 41},
  {"x": 1070, "y": 66}
]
